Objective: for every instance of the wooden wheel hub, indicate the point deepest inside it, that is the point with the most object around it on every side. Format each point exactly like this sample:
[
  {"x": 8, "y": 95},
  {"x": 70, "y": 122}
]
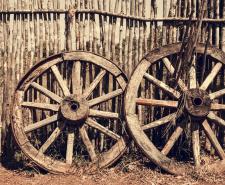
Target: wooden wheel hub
[
  {"x": 74, "y": 108},
  {"x": 197, "y": 102}
]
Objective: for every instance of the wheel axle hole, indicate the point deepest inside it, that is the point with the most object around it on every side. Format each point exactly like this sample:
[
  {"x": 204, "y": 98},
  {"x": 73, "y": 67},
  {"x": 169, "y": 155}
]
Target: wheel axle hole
[
  {"x": 74, "y": 106},
  {"x": 197, "y": 101}
]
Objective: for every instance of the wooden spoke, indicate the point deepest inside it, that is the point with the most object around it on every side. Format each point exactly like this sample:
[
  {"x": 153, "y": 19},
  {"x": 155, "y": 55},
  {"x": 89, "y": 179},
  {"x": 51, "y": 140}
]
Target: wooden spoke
[
  {"x": 76, "y": 78},
  {"x": 44, "y": 106},
  {"x": 211, "y": 76},
  {"x": 76, "y": 89},
  {"x": 196, "y": 144},
  {"x": 102, "y": 129},
  {"x": 55, "y": 134},
  {"x": 105, "y": 97},
  {"x": 162, "y": 85},
  {"x": 217, "y": 106},
  {"x": 69, "y": 148},
  {"x": 60, "y": 80},
  {"x": 173, "y": 138},
  {"x": 46, "y": 92},
  {"x": 217, "y": 94},
  {"x": 95, "y": 82},
  {"x": 171, "y": 69},
  {"x": 213, "y": 139},
  {"x": 213, "y": 117},
  {"x": 159, "y": 103},
  {"x": 192, "y": 75},
  {"x": 103, "y": 114},
  {"x": 41, "y": 123},
  {"x": 88, "y": 144},
  {"x": 159, "y": 122}
]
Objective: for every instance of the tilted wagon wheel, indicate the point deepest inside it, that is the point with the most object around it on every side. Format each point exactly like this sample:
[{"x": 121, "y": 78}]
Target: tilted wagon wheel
[
  {"x": 172, "y": 122},
  {"x": 66, "y": 112}
]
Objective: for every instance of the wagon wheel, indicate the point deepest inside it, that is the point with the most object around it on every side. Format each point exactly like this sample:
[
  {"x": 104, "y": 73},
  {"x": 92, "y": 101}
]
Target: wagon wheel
[
  {"x": 67, "y": 112},
  {"x": 152, "y": 102}
]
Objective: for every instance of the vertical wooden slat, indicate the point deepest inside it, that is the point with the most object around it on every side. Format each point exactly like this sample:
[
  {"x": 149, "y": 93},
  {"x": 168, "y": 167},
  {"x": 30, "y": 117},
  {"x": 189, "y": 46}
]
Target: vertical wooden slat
[
  {"x": 40, "y": 33},
  {"x": 61, "y": 27},
  {"x": 184, "y": 15},
  {"x": 126, "y": 39},
  {"x": 77, "y": 32},
  {"x": 223, "y": 30},
  {"x": 141, "y": 13},
  {"x": 141, "y": 39},
  {"x": 110, "y": 21},
  {"x": 147, "y": 14},
  {"x": 10, "y": 58},
  {"x": 73, "y": 33},
  {"x": 14, "y": 49},
  {"x": 5, "y": 75},
  {"x": 141, "y": 50},
  {"x": 32, "y": 44},
  {"x": 51, "y": 30},
  {"x": 2, "y": 129},
  {"x": 204, "y": 36},
  {"x": 156, "y": 36},
  {"x": 85, "y": 27},
  {"x": 46, "y": 37},
  {"x": 27, "y": 43},
  {"x": 210, "y": 16},
  {"x": 164, "y": 26},
  {"x": 97, "y": 29},
  {"x": 2, "y": 51},
  {"x": 122, "y": 35},
  {"x": 178, "y": 14},
  {"x": 151, "y": 27},
  {"x": 100, "y": 20},
  {"x": 174, "y": 29},
  {"x": 136, "y": 37},
  {"x": 118, "y": 33},
  {"x": 81, "y": 27},
  {"x": 91, "y": 27},
  {"x": 106, "y": 34},
  {"x": 169, "y": 27},
  {"x": 204, "y": 27},
  {"x": 115, "y": 35},
  {"x": 193, "y": 5},
  {"x": 131, "y": 37},
  {"x": 114, "y": 4},
  {"x": 5, "y": 5},
  {"x": 217, "y": 16},
  {"x": 2, "y": 75}
]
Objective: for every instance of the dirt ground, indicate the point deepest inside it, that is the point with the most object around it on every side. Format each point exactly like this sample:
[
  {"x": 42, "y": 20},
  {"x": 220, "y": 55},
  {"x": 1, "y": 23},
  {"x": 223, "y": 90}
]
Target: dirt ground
[{"x": 132, "y": 174}]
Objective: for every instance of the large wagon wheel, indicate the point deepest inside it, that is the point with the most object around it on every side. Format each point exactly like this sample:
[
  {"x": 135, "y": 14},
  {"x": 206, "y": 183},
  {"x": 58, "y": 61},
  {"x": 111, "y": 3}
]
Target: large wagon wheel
[
  {"x": 66, "y": 112},
  {"x": 153, "y": 106}
]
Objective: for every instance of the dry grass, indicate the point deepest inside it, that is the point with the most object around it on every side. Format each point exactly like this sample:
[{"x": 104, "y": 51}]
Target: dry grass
[{"x": 125, "y": 172}]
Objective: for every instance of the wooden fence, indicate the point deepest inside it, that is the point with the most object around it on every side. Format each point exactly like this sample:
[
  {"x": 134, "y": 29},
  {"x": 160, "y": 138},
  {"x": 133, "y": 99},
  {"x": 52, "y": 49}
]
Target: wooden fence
[{"x": 121, "y": 30}]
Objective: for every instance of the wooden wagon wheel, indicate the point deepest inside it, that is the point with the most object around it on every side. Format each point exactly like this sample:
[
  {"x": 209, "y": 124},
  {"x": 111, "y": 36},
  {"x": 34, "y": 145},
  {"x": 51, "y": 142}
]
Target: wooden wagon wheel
[
  {"x": 153, "y": 105},
  {"x": 66, "y": 112}
]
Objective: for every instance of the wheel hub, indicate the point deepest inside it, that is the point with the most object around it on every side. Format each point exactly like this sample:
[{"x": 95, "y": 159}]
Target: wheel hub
[
  {"x": 197, "y": 102},
  {"x": 74, "y": 108}
]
